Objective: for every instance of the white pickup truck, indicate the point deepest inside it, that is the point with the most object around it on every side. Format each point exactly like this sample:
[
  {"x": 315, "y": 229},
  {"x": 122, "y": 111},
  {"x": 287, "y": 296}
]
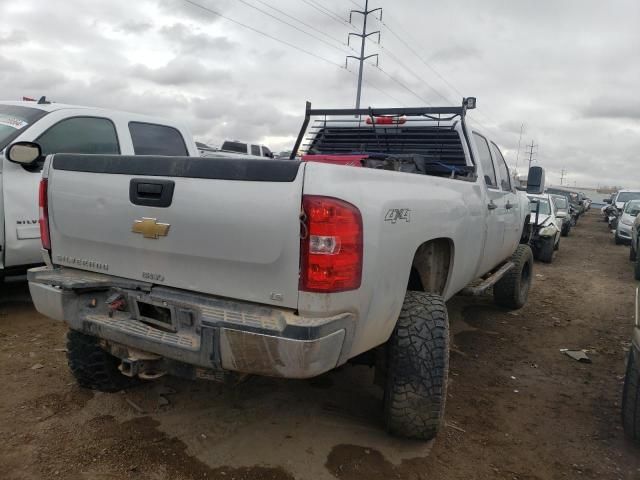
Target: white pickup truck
[
  {"x": 202, "y": 267},
  {"x": 73, "y": 129}
]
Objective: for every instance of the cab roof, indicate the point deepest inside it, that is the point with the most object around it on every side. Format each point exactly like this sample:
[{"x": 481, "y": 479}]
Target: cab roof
[{"x": 47, "y": 107}]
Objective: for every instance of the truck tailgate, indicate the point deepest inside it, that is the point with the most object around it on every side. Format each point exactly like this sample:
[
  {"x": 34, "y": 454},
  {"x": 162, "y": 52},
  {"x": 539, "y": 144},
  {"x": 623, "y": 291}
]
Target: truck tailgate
[{"x": 231, "y": 227}]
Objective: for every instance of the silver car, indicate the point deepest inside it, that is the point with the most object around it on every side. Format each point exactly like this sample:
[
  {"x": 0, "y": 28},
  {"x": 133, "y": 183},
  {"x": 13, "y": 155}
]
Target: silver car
[{"x": 624, "y": 230}]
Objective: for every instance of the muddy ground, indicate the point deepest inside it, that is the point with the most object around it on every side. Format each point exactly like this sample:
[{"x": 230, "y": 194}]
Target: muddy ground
[{"x": 517, "y": 408}]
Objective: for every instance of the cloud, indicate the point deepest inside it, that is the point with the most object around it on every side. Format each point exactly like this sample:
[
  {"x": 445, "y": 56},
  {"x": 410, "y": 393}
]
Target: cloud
[
  {"x": 615, "y": 108},
  {"x": 188, "y": 40},
  {"x": 15, "y": 37},
  {"x": 569, "y": 75},
  {"x": 180, "y": 72},
  {"x": 135, "y": 27}
]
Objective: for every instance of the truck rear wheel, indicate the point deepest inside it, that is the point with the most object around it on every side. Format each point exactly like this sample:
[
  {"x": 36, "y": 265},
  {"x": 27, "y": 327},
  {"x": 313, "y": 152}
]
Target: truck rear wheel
[
  {"x": 512, "y": 290},
  {"x": 417, "y": 368},
  {"x": 93, "y": 367},
  {"x": 631, "y": 397}
]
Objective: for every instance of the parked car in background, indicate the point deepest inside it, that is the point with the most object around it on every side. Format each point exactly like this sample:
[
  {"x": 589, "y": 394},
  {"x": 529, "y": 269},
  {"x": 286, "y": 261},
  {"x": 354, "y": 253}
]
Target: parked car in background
[
  {"x": 631, "y": 388},
  {"x": 635, "y": 247},
  {"x": 546, "y": 227},
  {"x": 623, "y": 196},
  {"x": 575, "y": 207},
  {"x": 289, "y": 268},
  {"x": 70, "y": 129},
  {"x": 562, "y": 211},
  {"x": 608, "y": 203},
  {"x": 625, "y": 222},
  {"x": 208, "y": 151},
  {"x": 235, "y": 146}
]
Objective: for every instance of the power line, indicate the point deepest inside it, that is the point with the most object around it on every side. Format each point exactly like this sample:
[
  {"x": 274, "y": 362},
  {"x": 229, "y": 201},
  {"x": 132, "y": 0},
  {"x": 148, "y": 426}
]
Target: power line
[
  {"x": 367, "y": 82},
  {"x": 420, "y": 79},
  {"x": 412, "y": 50},
  {"x": 328, "y": 13},
  {"x": 302, "y": 22},
  {"x": 335, "y": 14},
  {"x": 289, "y": 24},
  {"x": 429, "y": 66},
  {"x": 255, "y": 30},
  {"x": 394, "y": 79},
  {"x": 284, "y": 42}
]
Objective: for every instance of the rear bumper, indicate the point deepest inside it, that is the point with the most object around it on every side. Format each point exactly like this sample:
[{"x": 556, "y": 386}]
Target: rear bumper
[{"x": 206, "y": 332}]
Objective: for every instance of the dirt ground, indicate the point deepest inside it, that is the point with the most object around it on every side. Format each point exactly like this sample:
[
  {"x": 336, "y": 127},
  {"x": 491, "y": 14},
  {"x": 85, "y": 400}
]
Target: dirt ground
[{"x": 517, "y": 408}]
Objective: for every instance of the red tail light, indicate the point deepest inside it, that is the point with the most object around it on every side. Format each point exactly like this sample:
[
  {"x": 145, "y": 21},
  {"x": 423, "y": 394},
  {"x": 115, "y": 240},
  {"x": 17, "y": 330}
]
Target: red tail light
[
  {"x": 386, "y": 120},
  {"x": 43, "y": 203},
  {"x": 331, "y": 245}
]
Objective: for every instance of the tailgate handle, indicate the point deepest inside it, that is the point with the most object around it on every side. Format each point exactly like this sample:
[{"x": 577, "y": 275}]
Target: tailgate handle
[{"x": 151, "y": 193}]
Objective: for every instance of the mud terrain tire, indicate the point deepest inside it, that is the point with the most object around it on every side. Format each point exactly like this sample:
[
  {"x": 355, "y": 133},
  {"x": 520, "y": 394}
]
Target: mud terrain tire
[
  {"x": 631, "y": 397},
  {"x": 93, "y": 367},
  {"x": 417, "y": 368},
  {"x": 512, "y": 290}
]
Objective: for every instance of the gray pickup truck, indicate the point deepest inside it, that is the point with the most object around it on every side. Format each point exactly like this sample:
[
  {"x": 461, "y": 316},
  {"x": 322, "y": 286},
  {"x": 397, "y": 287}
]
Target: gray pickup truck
[{"x": 206, "y": 267}]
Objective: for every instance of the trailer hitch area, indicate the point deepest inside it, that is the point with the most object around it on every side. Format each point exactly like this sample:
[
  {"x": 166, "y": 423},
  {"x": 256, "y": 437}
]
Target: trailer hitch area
[{"x": 143, "y": 365}]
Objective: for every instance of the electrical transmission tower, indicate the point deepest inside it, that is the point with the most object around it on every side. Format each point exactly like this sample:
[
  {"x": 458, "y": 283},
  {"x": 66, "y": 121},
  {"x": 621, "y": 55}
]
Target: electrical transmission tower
[
  {"x": 532, "y": 152},
  {"x": 363, "y": 38},
  {"x": 562, "y": 174}
]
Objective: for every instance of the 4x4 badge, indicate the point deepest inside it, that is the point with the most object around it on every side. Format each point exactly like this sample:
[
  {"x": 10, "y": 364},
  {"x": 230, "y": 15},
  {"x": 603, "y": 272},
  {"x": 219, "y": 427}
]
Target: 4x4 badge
[{"x": 150, "y": 228}]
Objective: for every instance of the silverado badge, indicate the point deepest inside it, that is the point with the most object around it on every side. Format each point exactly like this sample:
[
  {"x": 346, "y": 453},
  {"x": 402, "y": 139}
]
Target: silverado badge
[{"x": 150, "y": 228}]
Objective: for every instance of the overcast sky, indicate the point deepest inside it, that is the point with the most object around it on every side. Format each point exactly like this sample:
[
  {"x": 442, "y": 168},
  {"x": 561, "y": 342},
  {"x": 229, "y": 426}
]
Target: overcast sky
[{"x": 569, "y": 70}]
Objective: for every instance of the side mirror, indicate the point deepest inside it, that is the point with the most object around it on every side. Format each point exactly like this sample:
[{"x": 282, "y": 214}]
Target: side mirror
[
  {"x": 24, "y": 153},
  {"x": 561, "y": 214},
  {"x": 535, "y": 180},
  {"x": 607, "y": 200}
]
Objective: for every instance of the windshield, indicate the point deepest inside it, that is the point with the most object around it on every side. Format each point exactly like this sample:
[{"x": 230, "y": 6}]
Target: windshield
[
  {"x": 624, "y": 197},
  {"x": 632, "y": 207},
  {"x": 560, "y": 202},
  {"x": 545, "y": 208},
  {"x": 14, "y": 120}
]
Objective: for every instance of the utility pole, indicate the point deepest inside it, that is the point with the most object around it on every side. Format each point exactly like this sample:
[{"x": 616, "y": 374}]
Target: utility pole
[
  {"x": 562, "y": 176},
  {"x": 531, "y": 152},
  {"x": 519, "y": 142},
  {"x": 363, "y": 38}
]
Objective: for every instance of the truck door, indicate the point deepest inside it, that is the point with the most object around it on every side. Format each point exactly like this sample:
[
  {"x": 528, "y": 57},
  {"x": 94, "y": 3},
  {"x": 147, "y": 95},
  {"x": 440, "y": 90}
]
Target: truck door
[
  {"x": 512, "y": 220},
  {"x": 78, "y": 134},
  {"x": 496, "y": 211}
]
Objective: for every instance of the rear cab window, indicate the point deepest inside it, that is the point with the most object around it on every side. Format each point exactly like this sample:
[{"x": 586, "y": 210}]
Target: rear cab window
[
  {"x": 255, "y": 150},
  {"x": 234, "y": 147},
  {"x": 153, "y": 139},
  {"x": 485, "y": 160}
]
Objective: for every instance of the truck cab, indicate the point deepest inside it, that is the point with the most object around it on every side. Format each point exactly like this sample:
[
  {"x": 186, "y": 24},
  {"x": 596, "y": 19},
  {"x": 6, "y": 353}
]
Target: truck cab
[{"x": 59, "y": 128}]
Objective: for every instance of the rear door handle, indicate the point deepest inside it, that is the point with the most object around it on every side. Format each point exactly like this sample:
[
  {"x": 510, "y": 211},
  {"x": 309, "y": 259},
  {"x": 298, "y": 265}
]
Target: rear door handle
[
  {"x": 492, "y": 206},
  {"x": 151, "y": 192}
]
